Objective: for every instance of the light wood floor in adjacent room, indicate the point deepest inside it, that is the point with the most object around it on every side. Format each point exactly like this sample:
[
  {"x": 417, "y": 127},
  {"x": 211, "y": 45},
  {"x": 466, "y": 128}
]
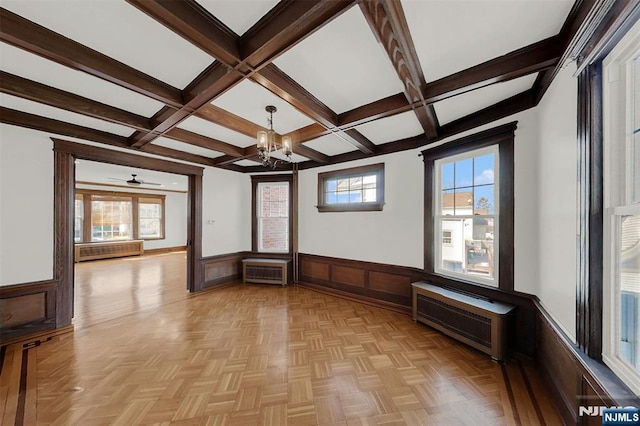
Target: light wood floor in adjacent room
[{"x": 144, "y": 351}]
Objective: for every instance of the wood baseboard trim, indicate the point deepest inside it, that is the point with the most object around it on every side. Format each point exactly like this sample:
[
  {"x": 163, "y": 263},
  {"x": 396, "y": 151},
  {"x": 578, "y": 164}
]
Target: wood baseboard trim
[
  {"x": 164, "y": 250},
  {"x": 35, "y": 338},
  {"x": 357, "y": 298}
]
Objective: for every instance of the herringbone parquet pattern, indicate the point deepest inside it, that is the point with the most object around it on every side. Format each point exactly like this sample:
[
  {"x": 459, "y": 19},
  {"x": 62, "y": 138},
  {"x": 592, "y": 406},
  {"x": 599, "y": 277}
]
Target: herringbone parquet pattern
[{"x": 268, "y": 355}]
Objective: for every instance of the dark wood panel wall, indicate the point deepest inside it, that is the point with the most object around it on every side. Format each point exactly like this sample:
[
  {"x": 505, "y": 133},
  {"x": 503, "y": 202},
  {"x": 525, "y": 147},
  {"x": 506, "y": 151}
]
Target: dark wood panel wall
[
  {"x": 27, "y": 308},
  {"x": 576, "y": 380},
  {"x": 222, "y": 269},
  {"x": 389, "y": 286}
]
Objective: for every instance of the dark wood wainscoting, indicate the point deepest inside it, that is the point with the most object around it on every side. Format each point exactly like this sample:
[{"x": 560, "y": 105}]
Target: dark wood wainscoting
[
  {"x": 576, "y": 380},
  {"x": 27, "y": 308},
  {"x": 222, "y": 269},
  {"x": 388, "y": 286},
  {"x": 164, "y": 250}
]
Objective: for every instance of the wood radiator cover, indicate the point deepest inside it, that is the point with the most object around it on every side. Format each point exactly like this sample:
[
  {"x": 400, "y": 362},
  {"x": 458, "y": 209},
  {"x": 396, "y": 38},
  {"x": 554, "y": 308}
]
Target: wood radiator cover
[
  {"x": 479, "y": 323},
  {"x": 107, "y": 250}
]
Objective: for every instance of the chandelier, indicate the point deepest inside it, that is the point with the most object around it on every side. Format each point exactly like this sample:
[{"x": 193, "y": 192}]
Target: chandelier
[{"x": 268, "y": 145}]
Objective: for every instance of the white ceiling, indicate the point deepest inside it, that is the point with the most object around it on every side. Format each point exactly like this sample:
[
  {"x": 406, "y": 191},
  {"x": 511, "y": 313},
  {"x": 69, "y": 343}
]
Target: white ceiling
[
  {"x": 90, "y": 171},
  {"x": 342, "y": 64}
]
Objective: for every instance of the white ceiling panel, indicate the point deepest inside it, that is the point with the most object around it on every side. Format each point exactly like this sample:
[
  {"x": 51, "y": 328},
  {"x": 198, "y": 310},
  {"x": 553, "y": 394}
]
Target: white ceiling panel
[
  {"x": 342, "y": 64},
  {"x": 248, "y": 101},
  {"x": 42, "y": 110},
  {"x": 91, "y": 171},
  {"x": 239, "y": 19},
  {"x": 392, "y": 128},
  {"x": 122, "y": 32},
  {"x": 32, "y": 67},
  {"x": 330, "y": 145},
  {"x": 450, "y": 36},
  {"x": 181, "y": 146},
  {"x": 212, "y": 130},
  {"x": 458, "y": 106}
]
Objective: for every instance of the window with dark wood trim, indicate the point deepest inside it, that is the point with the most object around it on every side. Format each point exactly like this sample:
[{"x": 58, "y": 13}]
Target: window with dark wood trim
[
  {"x": 354, "y": 189},
  {"x": 272, "y": 214},
  {"x": 109, "y": 215},
  {"x": 435, "y": 159}
]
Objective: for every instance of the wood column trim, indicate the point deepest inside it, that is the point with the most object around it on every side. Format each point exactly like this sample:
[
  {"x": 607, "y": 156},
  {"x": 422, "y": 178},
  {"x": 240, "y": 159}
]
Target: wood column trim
[{"x": 63, "y": 207}]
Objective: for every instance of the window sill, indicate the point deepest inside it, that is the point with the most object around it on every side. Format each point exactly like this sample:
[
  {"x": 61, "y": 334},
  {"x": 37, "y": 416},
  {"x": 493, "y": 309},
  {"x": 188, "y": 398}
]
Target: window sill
[{"x": 359, "y": 207}]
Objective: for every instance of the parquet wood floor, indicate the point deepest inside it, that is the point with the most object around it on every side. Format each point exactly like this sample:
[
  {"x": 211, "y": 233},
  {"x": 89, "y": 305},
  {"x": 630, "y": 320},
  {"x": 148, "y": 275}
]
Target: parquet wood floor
[{"x": 263, "y": 355}]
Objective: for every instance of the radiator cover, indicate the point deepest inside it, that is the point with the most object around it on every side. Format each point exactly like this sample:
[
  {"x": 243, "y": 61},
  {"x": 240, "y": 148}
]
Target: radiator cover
[
  {"x": 107, "y": 250},
  {"x": 479, "y": 323}
]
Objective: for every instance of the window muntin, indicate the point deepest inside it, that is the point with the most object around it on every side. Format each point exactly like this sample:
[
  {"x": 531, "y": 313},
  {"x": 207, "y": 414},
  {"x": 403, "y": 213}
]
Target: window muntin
[
  {"x": 359, "y": 188},
  {"x": 621, "y": 224},
  {"x": 466, "y": 204},
  {"x": 273, "y": 216}
]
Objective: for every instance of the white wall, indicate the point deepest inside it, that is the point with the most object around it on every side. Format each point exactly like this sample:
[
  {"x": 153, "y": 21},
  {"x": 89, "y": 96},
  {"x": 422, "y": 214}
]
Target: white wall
[
  {"x": 226, "y": 212},
  {"x": 557, "y": 199},
  {"x": 393, "y": 236},
  {"x": 26, "y": 205}
]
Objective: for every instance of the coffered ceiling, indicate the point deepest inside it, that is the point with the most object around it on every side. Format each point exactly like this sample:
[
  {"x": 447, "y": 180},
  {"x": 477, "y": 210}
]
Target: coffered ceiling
[{"x": 190, "y": 80}]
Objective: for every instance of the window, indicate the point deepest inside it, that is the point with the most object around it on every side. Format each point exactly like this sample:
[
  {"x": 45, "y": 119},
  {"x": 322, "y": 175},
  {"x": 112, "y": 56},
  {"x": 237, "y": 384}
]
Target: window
[
  {"x": 272, "y": 213},
  {"x": 359, "y": 189},
  {"x": 112, "y": 216},
  {"x": 469, "y": 209},
  {"x": 621, "y": 254},
  {"x": 466, "y": 203},
  {"x": 447, "y": 238},
  {"x": 78, "y": 219},
  {"x": 150, "y": 214}
]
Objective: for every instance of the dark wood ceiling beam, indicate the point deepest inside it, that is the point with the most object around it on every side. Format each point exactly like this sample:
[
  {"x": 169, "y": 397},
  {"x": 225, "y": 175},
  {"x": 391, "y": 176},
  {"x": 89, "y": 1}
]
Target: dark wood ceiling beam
[
  {"x": 358, "y": 140},
  {"x": 226, "y": 119},
  {"x": 505, "y": 108},
  {"x": 212, "y": 82},
  {"x": 387, "y": 107},
  {"x": 26, "y": 35},
  {"x": 201, "y": 141},
  {"x": 37, "y": 92},
  {"x": 307, "y": 133},
  {"x": 44, "y": 124},
  {"x": 176, "y": 154},
  {"x": 284, "y": 26},
  {"x": 311, "y": 153},
  {"x": 567, "y": 38},
  {"x": 279, "y": 83},
  {"x": 388, "y": 23},
  {"x": 195, "y": 24},
  {"x": 534, "y": 58}
]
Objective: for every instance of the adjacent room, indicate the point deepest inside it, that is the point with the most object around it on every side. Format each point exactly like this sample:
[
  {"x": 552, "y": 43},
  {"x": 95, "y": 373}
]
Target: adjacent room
[{"x": 300, "y": 212}]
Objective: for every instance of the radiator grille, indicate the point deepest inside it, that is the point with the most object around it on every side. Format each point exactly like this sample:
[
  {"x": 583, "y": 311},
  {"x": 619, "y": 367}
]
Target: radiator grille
[
  {"x": 467, "y": 324},
  {"x": 263, "y": 273},
  {"x": 92, "y": 251}
]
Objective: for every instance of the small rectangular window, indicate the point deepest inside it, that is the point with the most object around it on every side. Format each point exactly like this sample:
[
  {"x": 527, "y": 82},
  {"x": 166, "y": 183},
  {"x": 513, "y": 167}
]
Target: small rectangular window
[
  {"x": 150, "y": 213},
  {"x": 447, "y": 238},
  {"x": 355, "y": 189}
]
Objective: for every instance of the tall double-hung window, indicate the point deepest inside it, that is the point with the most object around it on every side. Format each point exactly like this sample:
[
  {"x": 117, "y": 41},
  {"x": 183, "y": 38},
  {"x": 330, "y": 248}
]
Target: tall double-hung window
[
  {"x": 469, "y": 205},
  {"x": 621, "y": 227},
  {"x": 272, "y": 213},
  {"x": 465, "y": 221}
]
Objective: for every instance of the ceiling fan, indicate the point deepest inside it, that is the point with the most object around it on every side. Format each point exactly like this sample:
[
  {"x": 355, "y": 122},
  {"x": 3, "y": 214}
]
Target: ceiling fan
[{"x": 135, "y": 182}]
